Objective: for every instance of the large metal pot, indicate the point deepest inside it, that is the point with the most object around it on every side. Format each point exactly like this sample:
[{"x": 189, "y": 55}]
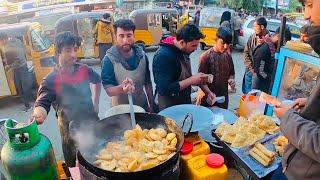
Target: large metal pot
[{"x": 112, "y": 129}]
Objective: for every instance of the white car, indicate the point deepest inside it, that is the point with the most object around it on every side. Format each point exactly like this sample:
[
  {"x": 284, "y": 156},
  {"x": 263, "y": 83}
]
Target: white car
[{"x": 273, "y": 24}]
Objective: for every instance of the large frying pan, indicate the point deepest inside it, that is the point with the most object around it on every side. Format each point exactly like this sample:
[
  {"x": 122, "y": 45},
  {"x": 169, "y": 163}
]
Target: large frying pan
[{"x": 112, "y": 129}]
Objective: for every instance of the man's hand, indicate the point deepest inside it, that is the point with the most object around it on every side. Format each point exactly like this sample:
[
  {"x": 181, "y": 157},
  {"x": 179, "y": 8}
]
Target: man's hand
[
  {"x": 281, "y": 110},
  {"x": 251, "y": 70},
  {"x": 260, "y": 41},
  {"x": 96, "y": 108},
  {"x": 7, "y": 68},
  {"x": 197, "y": 79},
  {"x": 299, "y": 104},
  {"x": 96, "y": 90},
  {"x": 127, "y": 86},
  {"x": 39, "y": 114},
  {"x": 232, "y": 83},
  {"x": 152, "y": 108},
  {"x": 211, "y": 98}
]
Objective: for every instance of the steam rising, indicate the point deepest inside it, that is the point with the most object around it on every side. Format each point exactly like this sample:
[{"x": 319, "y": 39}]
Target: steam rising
[{"x": 91, "y": 137}]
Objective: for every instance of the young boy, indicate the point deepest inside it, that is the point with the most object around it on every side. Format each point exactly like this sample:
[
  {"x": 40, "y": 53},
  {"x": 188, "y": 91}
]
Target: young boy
[
  {"x": 218, "y": 62},
  {"x": 73, "y": 90}
]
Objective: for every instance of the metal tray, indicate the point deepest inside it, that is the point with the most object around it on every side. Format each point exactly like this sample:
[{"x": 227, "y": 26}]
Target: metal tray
[
  {"x": 241, "y": 155},
  {"x": 202, "y": 116}
]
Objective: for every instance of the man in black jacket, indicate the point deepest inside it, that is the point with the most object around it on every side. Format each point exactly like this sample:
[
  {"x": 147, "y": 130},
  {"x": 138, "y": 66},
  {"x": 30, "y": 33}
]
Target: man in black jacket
[
  {"x": 263, "y": 60},
  {"x": 172, "y": 69},
  {"x": 254, "y": 42}
]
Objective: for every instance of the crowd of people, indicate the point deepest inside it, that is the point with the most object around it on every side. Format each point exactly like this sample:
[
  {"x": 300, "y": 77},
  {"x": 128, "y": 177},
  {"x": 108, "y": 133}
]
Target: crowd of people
[
  {"x": 259, "y": 54},
  {"x": 73, "y": 89}
]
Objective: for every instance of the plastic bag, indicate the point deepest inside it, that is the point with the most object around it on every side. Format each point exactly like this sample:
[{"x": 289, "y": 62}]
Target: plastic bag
[{"x": 249, "y": 103}]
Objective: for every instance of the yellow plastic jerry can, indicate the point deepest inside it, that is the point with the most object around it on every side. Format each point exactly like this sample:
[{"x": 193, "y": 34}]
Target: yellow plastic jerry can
[
  {"x": 192, "y": 147},
  {"x": 207, "y": 167}
]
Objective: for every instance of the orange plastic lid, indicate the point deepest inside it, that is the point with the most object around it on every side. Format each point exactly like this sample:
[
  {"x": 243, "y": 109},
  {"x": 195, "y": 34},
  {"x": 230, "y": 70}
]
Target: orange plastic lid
[
  {"x": 187, "y": 147},
  {"x": 215, "y": 160},
  {"x": 250, "y": 97}
]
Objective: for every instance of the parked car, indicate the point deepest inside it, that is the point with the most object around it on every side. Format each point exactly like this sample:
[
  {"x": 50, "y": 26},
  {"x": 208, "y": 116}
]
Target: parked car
[{"x": 273, "y": 24}]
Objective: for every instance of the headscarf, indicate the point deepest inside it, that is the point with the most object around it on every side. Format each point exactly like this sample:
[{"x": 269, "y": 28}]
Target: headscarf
[{"x": 226, "y": 16}]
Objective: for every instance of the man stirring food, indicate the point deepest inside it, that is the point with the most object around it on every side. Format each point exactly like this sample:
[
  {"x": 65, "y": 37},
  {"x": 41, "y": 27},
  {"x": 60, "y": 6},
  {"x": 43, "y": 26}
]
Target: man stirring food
[
  {"x": 67, "y": 89},
  {"x": 125, "y": 69}
]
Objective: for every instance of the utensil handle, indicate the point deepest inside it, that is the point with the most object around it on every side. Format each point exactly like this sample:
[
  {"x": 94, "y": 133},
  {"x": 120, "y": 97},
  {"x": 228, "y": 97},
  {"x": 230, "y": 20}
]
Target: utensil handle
[
  {"x": 133, "y": 120},
  {"x": 188, "y": 116},
  {"x": 255, "y": 92},
  {"x": 216, "y": 146}
]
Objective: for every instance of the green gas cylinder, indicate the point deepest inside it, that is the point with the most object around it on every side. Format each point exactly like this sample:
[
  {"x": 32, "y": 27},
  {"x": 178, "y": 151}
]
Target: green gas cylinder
[{"x": 27, "y": 155}]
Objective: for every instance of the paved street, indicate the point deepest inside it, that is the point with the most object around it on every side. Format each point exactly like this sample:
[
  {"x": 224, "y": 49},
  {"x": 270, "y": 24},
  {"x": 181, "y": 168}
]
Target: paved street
[{"x": 12, "y": 108}]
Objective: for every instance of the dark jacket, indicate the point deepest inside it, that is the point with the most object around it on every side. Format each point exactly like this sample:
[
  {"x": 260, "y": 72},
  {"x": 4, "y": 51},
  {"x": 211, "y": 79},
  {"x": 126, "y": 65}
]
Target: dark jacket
[
  {"x": 263, "y": 68},
  {"x": 262, "y": 61},
  {"x": 167, "y": 69},
  {"x": 301, "y": 159},
  {"x": 250, "y": 48},
  {"x": 302, "y": 156}
]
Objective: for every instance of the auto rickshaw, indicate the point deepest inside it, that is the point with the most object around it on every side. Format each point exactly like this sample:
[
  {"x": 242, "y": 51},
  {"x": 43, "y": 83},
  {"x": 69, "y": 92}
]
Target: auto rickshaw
[
  {"x": 209, "y": 23},
  {"x": 39, "y": 54},
  {"x": 47, "y": 22},
  {"x": 152, "y": 24},
  {"x": 82, "y": 24}
]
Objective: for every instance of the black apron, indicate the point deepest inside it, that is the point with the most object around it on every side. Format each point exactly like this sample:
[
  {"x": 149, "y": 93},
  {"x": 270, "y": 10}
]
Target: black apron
[
  {"x": 180, "y": 98},
  {"x": 76, "y": 107}
]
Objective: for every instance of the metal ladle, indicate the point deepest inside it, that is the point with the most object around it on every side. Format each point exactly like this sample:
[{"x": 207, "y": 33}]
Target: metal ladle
[{"x": 133, "y": 119}]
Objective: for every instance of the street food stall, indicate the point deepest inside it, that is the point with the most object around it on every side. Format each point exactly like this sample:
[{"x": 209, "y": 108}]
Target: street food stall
[
  {"x": 241, "y": 141},
  {"x": 296, "y": 74},
  {"x": 190, "y": 141},
  {"x": 177, "y": 143},
  {"x": 254, "y": 144}
]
